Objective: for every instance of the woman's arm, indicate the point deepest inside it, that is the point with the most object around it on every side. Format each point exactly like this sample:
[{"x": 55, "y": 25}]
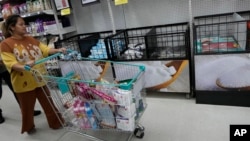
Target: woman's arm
[
  {"x": 12, "y": 64},
  {"x": 59, "y": 50},
  {"x": 31, "y": 63},
  {"x": 20, "y": 67},
  {"x": 49, "y": 51}
]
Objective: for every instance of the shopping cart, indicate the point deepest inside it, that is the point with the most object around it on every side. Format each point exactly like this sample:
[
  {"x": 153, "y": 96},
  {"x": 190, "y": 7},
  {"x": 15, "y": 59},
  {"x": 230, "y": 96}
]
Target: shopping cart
[{"x": 96, "y": 98}]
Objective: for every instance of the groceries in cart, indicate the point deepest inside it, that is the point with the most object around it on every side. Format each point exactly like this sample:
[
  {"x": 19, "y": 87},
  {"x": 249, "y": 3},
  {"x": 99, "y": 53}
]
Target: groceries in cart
[
  {"x": 97, "y": 94},
  {"x": 93, "y": 94},
  {"x": 94, "y": 108}
]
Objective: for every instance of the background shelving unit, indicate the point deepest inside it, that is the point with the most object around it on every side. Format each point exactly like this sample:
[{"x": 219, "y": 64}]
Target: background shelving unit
[
  {"x": 220, "y": 52},
  {"x": 138, "y": 14},
  {"x": 173, "y": 37},
  {"x": 57, "y": 28}
]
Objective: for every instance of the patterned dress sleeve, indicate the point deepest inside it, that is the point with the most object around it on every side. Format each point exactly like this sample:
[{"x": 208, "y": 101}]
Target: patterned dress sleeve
[
  {"x": 45, "y": 49},
  {"x": 8, "y": 57}
]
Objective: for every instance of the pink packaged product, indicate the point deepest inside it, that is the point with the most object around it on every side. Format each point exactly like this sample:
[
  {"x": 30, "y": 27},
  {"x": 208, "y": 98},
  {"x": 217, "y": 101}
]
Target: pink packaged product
[
  {"x": 6, "y": 11},
  {"x": 86, "y": 92},
  {"x": 83, "y": 92},
  {"x": 79, "y": 111},
  {"x": 78, "y": 108},
  {"x": 84, "y": 123}
]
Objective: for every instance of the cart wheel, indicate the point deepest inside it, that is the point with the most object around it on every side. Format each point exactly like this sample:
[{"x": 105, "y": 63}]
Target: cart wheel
[
  {"x": 141, "y": 135},
  {"x": 139, "y": 132}
]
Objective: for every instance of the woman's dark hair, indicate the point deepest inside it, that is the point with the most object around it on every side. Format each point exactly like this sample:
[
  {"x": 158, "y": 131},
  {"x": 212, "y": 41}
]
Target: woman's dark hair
[{"x": 9, "y": 22}]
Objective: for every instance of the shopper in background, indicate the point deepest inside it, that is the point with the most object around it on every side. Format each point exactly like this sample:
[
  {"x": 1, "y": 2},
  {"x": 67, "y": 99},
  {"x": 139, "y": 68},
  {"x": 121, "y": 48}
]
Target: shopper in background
[
  {"x": 4, "y": 75},
  {"x": 3, "y": 70},
  {"x": 18, "y": 50}
]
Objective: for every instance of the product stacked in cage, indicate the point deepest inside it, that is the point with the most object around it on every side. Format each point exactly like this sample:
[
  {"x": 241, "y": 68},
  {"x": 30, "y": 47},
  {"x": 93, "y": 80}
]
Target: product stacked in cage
[
  {"x": 92, "y": 108},
  {"x": 94, "y": 94},
  {"x": 223, "y": 33}
]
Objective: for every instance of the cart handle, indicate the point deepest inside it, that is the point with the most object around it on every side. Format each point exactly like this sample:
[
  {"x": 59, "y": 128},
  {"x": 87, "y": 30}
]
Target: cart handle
[{"x": 27, "y": 67}]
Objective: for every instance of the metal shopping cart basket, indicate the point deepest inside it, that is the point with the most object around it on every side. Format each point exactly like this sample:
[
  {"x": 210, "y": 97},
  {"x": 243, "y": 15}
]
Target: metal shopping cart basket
[{"x": 98, "y": 99}]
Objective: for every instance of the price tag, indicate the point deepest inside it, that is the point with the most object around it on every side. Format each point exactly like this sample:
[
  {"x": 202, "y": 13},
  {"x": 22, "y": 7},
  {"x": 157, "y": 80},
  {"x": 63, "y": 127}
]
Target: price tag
[
  {"x": 65, "y": 11},
  {"x": 119, "y": 2}
]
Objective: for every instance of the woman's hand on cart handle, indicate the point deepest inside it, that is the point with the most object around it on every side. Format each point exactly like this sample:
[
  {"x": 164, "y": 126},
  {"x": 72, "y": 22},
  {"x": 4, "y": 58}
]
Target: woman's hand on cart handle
[
  {"x": 62, "y": 50},
  {"x": 55, "y": 52},
  {"x": 29, "y": 64},
  {"x": 58, "y": 50}
]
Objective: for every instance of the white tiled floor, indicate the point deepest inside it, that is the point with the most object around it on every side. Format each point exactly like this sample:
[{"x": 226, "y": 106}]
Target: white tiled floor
[{"x": 167, "y": 118}]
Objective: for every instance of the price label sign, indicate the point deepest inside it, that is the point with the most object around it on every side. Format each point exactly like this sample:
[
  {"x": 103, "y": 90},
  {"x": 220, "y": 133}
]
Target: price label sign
[
  {"x": 65, "y": 11},
  {"x": 119, "y": 2}
]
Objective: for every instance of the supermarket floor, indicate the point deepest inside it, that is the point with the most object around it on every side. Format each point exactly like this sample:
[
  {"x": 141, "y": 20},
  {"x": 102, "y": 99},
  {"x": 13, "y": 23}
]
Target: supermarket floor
[{"x": 167, "y": 118}]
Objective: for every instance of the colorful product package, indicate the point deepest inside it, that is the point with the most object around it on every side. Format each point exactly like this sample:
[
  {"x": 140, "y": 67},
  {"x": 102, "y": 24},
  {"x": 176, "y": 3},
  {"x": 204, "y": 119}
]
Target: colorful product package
[
  {"x": 125, "y": 124},
  {"x": 126, "y": 111},
  {"x": 108, "y": 119},
  {"x": 123, "y": 97}
]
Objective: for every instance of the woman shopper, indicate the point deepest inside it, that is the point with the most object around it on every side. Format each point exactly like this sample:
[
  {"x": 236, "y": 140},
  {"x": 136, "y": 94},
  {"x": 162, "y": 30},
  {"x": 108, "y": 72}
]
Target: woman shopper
[
  {"x": 18, "y": 50},
  {"x": 4, "y": 75}
]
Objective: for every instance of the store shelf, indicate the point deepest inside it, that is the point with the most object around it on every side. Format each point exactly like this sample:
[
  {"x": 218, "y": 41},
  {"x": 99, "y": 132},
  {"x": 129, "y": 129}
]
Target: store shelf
[
  {"x": 49, "y": 15},
  {"x": 48, "y": 12},
  {"x": 38, "y": 34},
  {"x": 63, "y": 30},
  {"x": 55, "y": 32}
]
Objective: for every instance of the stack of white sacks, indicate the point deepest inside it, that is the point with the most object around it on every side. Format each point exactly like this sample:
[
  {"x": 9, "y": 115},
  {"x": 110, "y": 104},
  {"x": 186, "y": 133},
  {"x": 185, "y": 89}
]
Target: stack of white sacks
[{"x": 134, "y": 51}]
